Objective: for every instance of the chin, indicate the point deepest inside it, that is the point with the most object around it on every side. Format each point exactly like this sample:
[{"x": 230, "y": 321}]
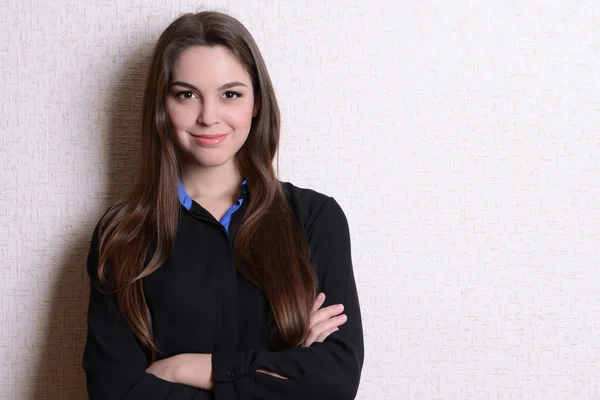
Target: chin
[{"x": 212, "y": 160}]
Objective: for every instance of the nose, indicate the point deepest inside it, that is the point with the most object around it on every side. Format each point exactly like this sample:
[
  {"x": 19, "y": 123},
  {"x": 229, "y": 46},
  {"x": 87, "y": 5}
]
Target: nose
[{"x": 209, "y": 113}]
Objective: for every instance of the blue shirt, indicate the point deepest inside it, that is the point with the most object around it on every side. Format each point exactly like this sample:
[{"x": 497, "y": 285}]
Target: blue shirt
[{"x": 186, "y": 201}]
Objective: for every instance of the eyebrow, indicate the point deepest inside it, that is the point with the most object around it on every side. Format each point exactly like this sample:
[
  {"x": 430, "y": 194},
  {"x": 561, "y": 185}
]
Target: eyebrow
[{"x": 222, "y": 87}]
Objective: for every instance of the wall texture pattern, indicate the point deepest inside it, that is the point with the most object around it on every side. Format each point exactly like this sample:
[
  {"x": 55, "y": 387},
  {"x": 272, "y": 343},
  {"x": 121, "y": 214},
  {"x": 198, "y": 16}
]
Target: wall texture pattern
[{"x": 462, "y": 138}]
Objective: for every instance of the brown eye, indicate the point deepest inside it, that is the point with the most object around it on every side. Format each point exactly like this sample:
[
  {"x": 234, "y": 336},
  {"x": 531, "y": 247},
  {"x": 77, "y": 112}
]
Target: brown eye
[
  {"x": 232, "y": 95},
  {"x": 185, "y": 95}
]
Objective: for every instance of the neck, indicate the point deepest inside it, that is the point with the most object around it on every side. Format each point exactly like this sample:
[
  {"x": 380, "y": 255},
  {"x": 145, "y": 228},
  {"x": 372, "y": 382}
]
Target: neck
[{"x": 211, "y": 182}]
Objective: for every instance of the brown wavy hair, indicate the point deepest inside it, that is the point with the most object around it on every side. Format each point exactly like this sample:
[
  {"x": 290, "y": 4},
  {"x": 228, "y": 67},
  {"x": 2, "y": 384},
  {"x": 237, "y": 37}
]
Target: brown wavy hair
[{"x": 138, "y": 233}]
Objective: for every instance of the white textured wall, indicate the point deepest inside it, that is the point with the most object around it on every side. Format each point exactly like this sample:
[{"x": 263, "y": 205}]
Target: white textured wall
[{"x": 461, "y": 137}]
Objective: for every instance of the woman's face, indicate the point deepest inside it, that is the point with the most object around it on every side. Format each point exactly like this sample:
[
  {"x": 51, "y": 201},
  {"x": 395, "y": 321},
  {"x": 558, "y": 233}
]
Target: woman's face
[{"x": 210, "y": 105}]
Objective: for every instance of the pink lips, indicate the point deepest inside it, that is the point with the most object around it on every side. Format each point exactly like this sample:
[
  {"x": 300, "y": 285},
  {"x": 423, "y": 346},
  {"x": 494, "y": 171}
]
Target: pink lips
[{"x": 209, "y": 140}]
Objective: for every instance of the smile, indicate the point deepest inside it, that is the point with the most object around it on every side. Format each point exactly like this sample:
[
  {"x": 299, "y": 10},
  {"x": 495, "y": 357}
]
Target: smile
[{"x": 209, "y": 140}]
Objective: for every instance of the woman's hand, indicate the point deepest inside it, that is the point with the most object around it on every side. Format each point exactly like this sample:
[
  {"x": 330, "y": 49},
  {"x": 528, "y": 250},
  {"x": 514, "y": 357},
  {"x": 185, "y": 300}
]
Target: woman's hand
[
  {"x": 189, "y": 369},
  {"x": 166, "y": 369},
  {"x": 324, "y": 321}
]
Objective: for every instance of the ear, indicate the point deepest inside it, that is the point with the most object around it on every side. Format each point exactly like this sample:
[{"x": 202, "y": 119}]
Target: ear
[{"x": 255, "y": 110}]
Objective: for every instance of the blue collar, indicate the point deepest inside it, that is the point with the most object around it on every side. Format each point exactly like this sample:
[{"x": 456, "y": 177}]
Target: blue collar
[{"x": 186, "y": 200}]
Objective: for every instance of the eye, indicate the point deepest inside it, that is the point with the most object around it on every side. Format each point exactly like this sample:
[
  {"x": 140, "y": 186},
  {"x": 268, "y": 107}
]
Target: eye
[
  {"x": 185, "y": 95},
  {"x": 232, "y": 95}
]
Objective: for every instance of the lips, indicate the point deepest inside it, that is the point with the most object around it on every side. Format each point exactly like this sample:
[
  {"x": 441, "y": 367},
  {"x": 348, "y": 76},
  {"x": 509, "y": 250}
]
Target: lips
[{"x": 209, "y": 140}]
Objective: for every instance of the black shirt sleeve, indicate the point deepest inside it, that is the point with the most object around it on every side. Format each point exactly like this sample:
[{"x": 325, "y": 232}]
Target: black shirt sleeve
[
  {"x": 114, "y": 360},
  {"x": 323, "y": 371}
]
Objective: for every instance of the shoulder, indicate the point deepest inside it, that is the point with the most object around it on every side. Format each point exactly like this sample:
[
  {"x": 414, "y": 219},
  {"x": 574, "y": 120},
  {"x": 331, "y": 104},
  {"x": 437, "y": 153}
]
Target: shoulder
[
  {"x": 101, "y": 223},
  {"x": 312, "y": 208},
  {"x": 327, "y": 232}
]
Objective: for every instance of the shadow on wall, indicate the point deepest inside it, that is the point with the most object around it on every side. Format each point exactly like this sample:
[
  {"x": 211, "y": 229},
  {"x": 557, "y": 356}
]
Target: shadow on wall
[{"x": 59, "y": 374}]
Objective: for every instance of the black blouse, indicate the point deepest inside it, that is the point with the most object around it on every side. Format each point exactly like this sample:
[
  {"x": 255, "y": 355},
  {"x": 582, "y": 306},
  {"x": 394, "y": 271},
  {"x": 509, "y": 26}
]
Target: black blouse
[{"x": 200, "y": 303}]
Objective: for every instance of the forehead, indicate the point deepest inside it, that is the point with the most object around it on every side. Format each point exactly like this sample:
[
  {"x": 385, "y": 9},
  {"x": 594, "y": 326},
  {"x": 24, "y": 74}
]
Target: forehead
[{"x": 208, "y": 66}]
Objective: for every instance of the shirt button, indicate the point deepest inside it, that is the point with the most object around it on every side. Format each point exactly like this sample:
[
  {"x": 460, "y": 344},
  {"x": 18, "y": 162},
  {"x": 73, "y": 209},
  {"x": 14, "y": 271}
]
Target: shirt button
[{"x": 230, "y": 374}]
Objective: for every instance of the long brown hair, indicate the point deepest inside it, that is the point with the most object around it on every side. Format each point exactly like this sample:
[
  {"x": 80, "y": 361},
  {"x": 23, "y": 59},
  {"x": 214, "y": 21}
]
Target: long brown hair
[{"x": 138, "y": 234}]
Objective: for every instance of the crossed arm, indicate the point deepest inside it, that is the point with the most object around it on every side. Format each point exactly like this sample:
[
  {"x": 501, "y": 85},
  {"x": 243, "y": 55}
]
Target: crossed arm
[
  {"x": 328, "y": 368},
  {"x": 196, "y": 369}
]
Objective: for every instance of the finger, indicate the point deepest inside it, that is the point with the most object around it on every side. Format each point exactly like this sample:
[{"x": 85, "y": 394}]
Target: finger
[
  {"x": 321, "y": 331},
  {"x": 328, "y": 324},
  {"x": 316, "y": 330},
  {"x": 323, "y": 327},
  {"x": 318, "y": 336},
  {"x": 310, "y": 338},
  {"x": 321, "y": 338},
  {"x": 318, "y": 302},
  {"x": 325, "y": 313}
]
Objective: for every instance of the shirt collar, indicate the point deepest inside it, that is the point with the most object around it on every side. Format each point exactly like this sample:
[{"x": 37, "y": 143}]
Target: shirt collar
[{"x": 186, "y": 200}]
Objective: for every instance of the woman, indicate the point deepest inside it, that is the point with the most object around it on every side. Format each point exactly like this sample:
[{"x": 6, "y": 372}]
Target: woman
[{"x": 204, "y": 280}]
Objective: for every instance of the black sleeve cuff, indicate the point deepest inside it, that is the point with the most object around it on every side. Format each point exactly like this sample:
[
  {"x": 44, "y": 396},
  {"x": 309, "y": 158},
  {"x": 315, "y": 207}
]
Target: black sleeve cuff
[{"x": 229, "y": 376}]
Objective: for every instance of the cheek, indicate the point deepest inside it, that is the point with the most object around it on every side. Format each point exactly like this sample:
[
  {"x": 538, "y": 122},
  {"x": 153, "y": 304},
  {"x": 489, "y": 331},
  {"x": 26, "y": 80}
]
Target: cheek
[
  {"x": 240, "y": 116},
  {"x": 180, "y": 117}
]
